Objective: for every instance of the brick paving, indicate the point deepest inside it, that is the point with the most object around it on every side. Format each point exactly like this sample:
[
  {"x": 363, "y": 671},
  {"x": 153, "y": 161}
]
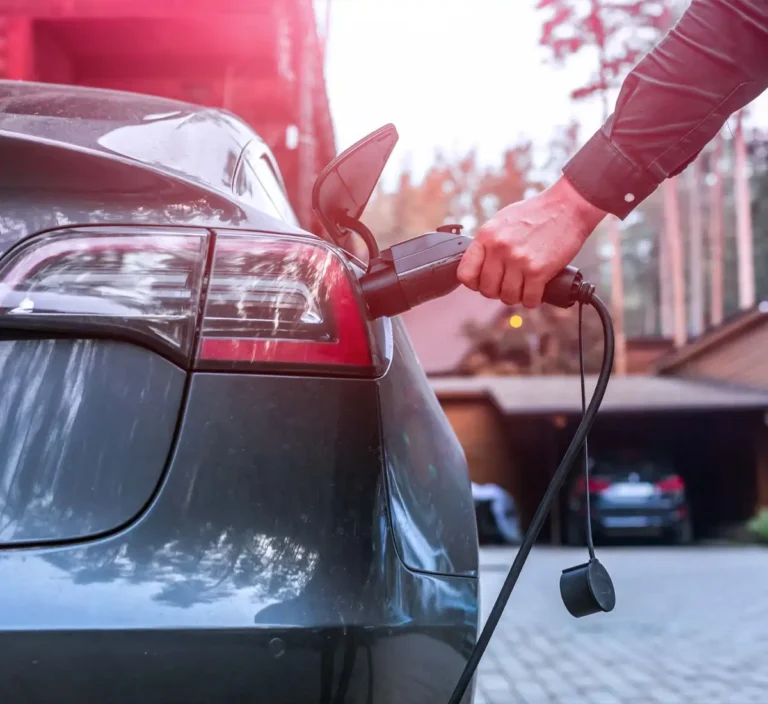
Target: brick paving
[{"x": 690, "y": 626}]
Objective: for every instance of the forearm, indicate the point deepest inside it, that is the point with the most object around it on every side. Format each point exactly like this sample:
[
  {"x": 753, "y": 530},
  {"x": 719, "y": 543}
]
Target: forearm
[{"x": 674, "y": 102}]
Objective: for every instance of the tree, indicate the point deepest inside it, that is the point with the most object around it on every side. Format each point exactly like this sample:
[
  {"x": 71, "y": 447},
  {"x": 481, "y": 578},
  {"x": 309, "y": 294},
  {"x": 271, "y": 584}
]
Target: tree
[
  {"x": 546, "y": 342},
  {"x": 757, "y": 148},
  {"x": 452, "y": 191},
  {"x": 716, "y": 227},
  {"x": 743, "y": 218},
  {"x": 620, "y": 31},
  {"x": 563, "y": 145}
]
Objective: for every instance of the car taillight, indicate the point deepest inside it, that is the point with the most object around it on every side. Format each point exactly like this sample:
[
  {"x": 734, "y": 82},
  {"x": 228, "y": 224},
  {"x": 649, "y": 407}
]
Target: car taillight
[
  {"x": 147, "y": 283},
  {"x": 671, "y": 485},
  {"x": 271, "y": 303},
  {"x": 284, "y": 303},
  {"x": 596, "y": 485}
]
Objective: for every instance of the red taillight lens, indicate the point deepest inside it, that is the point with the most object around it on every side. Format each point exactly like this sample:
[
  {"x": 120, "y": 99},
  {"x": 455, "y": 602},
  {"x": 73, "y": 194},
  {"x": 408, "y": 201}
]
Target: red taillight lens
[
  {"x": 147, "y": 283},
  {"x": 596, "y": 485},
  {"x": 671, "y": 485},
  {"x": 283, "y": 303}
]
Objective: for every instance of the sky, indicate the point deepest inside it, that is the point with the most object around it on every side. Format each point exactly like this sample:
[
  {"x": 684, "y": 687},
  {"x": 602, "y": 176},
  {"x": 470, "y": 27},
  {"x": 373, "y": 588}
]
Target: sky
[{"x": 451, "y": 75}]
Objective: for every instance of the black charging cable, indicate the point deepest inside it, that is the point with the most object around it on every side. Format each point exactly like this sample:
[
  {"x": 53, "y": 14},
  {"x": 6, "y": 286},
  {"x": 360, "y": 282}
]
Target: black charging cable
[
  {"x": 585, "y": 588},
  {"x": 587, "y": 504},
  {"x": 350, "y": 223}
]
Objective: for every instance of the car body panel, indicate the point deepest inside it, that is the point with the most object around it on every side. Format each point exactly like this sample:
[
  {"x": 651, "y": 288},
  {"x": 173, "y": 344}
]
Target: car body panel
[
  {"x": 88, "y": 426},
  {"x": 431, "y": 496},
  {"x": 264, "y": 542}
]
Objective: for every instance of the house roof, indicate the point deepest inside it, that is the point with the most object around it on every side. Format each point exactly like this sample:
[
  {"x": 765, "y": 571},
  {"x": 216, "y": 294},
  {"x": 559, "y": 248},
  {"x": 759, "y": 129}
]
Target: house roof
[
  {"x": 541, "y": 395},
  {"x": 436, "y": 328},
  {"x": 714, "y": 337}
]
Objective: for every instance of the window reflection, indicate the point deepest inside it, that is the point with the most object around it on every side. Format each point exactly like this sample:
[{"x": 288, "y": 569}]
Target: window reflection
[
  {"x": 247, "y": 186},
  {"x": 148, "y": 281}
]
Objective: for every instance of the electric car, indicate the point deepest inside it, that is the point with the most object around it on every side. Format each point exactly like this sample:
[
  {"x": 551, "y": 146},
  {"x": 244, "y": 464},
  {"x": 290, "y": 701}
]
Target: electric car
[
  {"x": 220, "y": 479},
  {"x": 631, "y": 495}
]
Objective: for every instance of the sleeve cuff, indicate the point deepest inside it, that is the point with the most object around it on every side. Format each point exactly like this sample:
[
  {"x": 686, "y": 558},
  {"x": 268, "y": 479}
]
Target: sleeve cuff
[{"x": 607, "y": 179}]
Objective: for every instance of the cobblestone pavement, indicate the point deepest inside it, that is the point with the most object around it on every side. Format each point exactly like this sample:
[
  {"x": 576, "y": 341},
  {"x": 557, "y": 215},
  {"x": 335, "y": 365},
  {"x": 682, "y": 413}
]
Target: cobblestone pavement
[{"x": 690, "y": 625}]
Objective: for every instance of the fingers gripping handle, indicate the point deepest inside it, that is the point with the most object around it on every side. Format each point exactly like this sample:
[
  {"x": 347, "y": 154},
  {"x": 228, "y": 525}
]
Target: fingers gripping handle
[{"x": 416, "y": 271}]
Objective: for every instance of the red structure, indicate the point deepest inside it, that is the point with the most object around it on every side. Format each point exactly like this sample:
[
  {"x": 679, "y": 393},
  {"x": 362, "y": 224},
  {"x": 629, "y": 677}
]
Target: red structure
[{"x": 260, "y": 59}]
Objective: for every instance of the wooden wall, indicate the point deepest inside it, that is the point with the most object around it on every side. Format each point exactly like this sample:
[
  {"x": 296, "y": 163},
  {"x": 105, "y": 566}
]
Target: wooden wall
[
  {"x": 479, "y": 428},
  {"x": 518, "y": 454},
  {"x": 742, "y": 359}
]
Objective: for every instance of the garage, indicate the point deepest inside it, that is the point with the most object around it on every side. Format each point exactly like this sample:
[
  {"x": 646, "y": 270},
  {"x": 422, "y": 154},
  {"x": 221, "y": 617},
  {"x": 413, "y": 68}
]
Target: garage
[{"x": 516, "y": 429}]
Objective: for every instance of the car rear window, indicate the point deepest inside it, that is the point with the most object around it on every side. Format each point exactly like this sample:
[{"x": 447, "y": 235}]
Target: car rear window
[
  {"x": 642, "y": 470},
  {"x": 82, "y": 106}
]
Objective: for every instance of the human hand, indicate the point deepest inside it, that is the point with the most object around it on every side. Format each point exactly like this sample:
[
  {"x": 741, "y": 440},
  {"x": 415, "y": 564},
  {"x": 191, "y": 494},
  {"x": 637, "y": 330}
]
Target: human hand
[{"x": 523, "y": 246}]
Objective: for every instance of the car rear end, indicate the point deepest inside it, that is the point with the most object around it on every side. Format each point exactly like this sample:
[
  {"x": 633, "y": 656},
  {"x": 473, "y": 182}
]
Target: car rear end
[
  {"x": 634, "y": 501},
  {"x": 220, "y": 480}
]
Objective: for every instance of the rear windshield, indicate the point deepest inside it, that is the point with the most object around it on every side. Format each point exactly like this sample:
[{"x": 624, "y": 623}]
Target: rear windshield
[
  {"x": 110, "y": 106},
  {"x": 625, "y": 469}
]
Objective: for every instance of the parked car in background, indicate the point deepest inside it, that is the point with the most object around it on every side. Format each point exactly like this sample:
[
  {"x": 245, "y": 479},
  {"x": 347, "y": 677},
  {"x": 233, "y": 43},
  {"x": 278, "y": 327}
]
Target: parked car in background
[
  {"x": 498, "y": 522},
  {"x": 631, "y": 496},
  {"x": 220, "y": 480}
]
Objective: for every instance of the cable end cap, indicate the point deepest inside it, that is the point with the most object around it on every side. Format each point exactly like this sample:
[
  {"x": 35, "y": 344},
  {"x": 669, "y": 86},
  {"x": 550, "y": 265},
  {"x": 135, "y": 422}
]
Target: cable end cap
[{"x": 587, "y": 589}]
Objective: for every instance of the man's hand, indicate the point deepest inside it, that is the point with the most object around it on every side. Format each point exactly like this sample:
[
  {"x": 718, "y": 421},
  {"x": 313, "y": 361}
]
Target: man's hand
[{"x": 524, "y": 245}]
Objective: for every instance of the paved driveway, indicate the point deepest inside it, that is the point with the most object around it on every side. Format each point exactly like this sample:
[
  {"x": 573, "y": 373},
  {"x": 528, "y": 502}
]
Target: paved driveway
[{"x": 690, "y": 625}]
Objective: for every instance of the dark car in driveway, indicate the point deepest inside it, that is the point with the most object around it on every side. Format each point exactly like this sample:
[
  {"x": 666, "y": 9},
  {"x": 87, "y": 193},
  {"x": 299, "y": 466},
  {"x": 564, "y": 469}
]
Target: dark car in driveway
[
  {"x": 220, "y": 480},
  {"x": 631, "y": 495}
]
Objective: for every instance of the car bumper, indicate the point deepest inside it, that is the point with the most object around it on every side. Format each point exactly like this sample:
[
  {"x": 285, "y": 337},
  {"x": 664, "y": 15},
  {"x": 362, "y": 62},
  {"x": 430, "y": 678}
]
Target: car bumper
[
  {"x": 638, "y": 524},
  {"x": 259, "y": 572}
]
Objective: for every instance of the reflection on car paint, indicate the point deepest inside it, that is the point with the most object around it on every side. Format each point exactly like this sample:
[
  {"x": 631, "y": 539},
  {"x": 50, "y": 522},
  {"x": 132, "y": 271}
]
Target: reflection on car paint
[
  {"x": 431, "y": 504},
  {"x": 85, "y": 434}
]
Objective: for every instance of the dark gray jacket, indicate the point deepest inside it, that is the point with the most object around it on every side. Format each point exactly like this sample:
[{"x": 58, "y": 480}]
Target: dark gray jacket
[{"x": 676, "y": 99}]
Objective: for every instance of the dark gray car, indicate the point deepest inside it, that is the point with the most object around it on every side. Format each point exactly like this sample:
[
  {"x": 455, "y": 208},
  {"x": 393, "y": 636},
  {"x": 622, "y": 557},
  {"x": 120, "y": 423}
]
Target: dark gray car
[
  {"x": 219, "y": 480},
  {"x": 631, "y": 495}
]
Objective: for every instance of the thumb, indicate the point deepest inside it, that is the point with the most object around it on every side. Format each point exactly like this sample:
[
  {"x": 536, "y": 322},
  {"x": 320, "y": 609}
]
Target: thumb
[{"x": 471, "y": 265}]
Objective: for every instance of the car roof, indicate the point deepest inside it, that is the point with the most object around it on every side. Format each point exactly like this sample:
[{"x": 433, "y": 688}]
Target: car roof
[{"x": 198, "y": 143}]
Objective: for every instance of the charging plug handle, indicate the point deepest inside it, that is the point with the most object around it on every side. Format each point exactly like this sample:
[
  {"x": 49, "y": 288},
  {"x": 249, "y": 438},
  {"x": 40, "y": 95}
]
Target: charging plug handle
[{"x": 418, "y": 270}]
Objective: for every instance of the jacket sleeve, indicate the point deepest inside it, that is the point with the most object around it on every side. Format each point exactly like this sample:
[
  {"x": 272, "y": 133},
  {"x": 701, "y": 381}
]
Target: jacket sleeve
[{"x": 674, "y": 102}]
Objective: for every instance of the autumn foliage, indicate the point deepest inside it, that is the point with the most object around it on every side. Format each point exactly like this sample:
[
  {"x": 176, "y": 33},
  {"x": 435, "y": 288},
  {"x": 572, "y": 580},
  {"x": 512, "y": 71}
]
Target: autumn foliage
[
  {"x": 620, "y": 31},
  {"x": 460, "y": 190}
]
